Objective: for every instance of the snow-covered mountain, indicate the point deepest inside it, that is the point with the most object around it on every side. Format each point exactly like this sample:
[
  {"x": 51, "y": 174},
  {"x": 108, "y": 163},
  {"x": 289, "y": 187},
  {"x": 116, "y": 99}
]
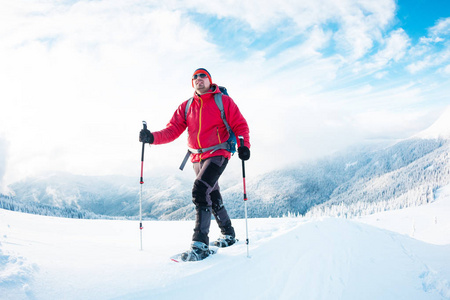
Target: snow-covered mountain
[
  {"x": 406, "y": 174},
  {"x": 363, "y": 180},
  {"x": 439, "y": 130},
  {"x": 102, "y": 195},
  {"x": 402, "y": 175}
]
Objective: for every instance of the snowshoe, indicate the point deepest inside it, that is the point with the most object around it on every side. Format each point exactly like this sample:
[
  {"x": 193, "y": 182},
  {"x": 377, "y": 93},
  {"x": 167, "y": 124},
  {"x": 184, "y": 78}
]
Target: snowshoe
[
  {"x": 198, "y": 251},
  {"x": 224, "y": 241}
]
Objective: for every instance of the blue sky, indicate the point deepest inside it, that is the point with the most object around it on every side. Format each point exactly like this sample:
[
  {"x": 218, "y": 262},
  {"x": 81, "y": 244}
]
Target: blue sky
[
  {"x": 312, "y": 78},
  {"x": 419, "y": 15}
]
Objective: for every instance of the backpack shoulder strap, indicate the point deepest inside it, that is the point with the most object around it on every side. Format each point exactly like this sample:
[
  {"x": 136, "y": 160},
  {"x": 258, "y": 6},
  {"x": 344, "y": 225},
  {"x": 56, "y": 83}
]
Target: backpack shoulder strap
[
  {"x": 219, "y": 103},
  {"x": 187, "y": 107}
]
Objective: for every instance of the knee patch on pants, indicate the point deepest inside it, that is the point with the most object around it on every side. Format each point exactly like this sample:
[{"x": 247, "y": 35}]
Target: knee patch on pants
[
  {"x": 199, "y": 193},
  {"x": 216, "y": 199}
]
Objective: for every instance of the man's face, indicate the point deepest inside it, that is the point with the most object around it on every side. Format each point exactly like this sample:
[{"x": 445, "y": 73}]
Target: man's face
[{"x": 201, "y": 83}]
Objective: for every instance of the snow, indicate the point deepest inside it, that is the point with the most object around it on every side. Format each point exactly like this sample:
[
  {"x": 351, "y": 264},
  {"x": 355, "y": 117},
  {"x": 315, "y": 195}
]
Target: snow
[
  {"x": 439, "y": 129},
  {"x": 401, "y": 254},
  {"x": 428, "y": 223}
]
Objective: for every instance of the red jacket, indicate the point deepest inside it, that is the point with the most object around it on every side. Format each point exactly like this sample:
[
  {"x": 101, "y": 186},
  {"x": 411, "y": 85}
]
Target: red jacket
[{"x": 205, "y": 125}]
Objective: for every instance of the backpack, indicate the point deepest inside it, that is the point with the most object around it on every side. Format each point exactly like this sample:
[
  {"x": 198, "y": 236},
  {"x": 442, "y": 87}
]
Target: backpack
[{"x": 230, "y": 144}]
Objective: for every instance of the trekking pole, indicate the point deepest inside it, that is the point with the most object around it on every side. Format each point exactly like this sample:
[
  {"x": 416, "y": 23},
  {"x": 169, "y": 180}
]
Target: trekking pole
[
  {"x": 241, "y": 139},
  {"x": 142, "y": 182}
]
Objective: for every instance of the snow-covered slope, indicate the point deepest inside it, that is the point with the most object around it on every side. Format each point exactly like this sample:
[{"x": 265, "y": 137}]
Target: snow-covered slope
[
  {"x": 400, "y": 181},
  {"x": 439, "y": 130},
  {"x": 291, "y": 258}
]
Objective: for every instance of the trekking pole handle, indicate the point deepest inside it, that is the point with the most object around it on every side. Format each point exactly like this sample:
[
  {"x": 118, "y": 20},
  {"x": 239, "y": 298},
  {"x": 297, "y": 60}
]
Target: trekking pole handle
[
  {"x": 145, "y": 124},
  {"x": 241, "y": 139}
]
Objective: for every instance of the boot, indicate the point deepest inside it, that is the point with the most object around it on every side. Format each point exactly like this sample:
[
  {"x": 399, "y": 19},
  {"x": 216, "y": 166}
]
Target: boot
[
  {"x": 225, "y": 241},
  {"x": 197, "y": 252}
]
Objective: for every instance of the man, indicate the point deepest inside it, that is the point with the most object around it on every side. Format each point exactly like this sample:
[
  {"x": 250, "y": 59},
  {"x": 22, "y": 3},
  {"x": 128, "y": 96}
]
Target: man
[{"x": 206, "y": 132}]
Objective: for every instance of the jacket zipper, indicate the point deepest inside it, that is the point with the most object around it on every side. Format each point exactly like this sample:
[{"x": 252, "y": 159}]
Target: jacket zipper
[{"x": 218, "y": 136}]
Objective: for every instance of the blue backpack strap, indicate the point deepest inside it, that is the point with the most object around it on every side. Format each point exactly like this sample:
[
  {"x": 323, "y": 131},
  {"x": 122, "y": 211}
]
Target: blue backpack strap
[
  {"x": 187, "y": 107},
  {"x": 219, "y": 103},
  {"x": 231, "y": 142}
]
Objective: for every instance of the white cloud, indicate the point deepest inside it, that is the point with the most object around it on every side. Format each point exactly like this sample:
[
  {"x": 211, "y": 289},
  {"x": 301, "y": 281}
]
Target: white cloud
[
  {"x": 446, "y": 69},
  {"x": 432, "y": 60},
  {"x": 357, "y": 23},
  {"x": 393, "y": 125},
  {"x": 433, "y": 50},
  {"x": 395, "y": 47},
  {"x": 442, "y": 27}
]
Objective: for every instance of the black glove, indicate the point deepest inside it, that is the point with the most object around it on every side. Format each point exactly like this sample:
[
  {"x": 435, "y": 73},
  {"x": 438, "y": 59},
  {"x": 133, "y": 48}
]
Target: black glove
[
  {"x": 145, "y": 136},
  {"x": 244, "y": 152}
]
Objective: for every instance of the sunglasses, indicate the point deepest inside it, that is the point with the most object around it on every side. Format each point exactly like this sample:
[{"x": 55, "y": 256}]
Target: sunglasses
[{"x": 201, "y": 75}]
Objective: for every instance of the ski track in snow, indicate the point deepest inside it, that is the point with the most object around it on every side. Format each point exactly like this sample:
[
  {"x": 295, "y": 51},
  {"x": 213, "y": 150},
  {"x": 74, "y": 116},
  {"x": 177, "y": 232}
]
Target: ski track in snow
[{"x": 374, "y": 257}]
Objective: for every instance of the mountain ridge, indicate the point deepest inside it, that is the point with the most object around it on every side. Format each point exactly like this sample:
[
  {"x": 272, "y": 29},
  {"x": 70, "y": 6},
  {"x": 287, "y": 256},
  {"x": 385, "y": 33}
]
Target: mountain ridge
[{"x": 440, "y": 129}]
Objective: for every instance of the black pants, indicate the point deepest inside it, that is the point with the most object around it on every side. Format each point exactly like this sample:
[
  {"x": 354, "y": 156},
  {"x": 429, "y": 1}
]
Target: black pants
[{"x": 207, "y": 199}]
